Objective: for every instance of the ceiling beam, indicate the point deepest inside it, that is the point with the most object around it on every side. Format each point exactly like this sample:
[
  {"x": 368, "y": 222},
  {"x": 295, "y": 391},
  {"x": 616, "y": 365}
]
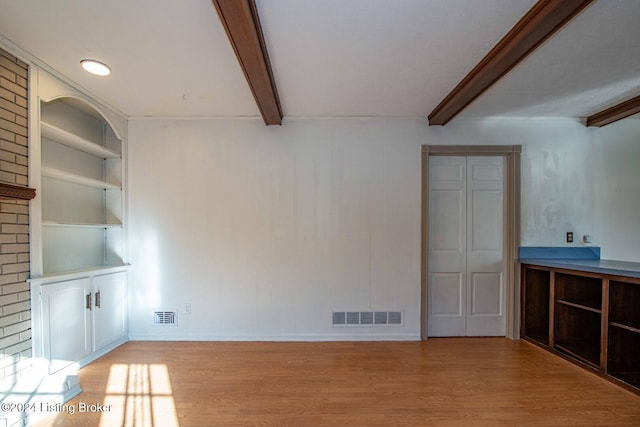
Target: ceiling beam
[
  {"x": 241, "y": 22},
  {"x": 615, "y": 113},
  {"x": 538, "y": 24}
]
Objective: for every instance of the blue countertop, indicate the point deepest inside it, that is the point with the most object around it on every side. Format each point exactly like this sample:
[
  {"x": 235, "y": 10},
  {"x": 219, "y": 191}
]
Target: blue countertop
[{"x": 601, "y": 266}]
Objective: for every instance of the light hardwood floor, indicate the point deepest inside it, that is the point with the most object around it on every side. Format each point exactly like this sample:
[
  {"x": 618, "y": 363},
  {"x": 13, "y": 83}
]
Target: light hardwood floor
[{"x": 445, "y": 381}]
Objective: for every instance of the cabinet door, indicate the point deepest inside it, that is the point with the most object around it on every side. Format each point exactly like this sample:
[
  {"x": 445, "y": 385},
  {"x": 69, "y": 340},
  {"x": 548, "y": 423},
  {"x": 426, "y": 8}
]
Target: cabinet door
[
  {"x": 110, "y": 308},
  {"x": 67, "y": 322}
]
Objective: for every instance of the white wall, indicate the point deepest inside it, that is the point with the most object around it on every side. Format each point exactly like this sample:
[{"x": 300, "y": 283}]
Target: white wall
[
  {"x": 266, "y": 230},
  {"x": 617, "y": 189}
]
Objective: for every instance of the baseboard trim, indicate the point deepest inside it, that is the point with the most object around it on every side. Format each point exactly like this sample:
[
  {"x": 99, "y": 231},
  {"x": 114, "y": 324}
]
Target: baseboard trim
[{"x": 276, "y": 338}]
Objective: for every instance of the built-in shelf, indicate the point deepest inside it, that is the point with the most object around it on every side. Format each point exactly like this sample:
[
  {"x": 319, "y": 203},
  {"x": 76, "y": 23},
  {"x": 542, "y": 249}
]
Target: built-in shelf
[
  {"x": 72, "y": 140},
  {"x": 77, "y": 179},
  {"x": 584, "y": 305},
  {"x": 536, "y": 313},
  {"x": 78, "y": 225},
  {"x": 585, "y": 316},
  {"x": 628, "y": 328},
  {"x": 78, "y": 233},
  {"x": 581, "y": 351},
  {"x": 631, "y": 378}
]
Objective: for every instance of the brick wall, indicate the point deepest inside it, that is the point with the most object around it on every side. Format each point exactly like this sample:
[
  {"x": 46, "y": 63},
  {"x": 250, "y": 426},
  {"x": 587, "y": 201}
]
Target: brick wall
[{"x": 15, "y": 311}]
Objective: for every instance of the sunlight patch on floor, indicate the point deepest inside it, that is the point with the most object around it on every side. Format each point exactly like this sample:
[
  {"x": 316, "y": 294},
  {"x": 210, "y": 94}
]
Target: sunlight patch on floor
[{"x": 140, "y": 395}]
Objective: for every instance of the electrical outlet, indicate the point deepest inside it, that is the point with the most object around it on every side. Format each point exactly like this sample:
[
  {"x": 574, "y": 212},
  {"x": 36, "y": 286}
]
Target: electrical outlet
[
  {"x": 569, "y": 236},
  {"x": 186, "y": 309}
]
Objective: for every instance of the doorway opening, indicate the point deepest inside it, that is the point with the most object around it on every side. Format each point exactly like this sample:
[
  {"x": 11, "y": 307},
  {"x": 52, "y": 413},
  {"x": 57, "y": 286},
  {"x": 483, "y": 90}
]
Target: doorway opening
[{"x": 511, "y": 191}]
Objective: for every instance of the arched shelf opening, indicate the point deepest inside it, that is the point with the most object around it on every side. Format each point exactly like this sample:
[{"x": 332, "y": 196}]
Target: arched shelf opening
[{"x": 81, "y": 187}]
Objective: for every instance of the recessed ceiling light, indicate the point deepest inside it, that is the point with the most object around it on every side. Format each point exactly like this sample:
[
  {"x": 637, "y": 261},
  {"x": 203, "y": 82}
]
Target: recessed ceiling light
[{"x": 95, "y": 67}]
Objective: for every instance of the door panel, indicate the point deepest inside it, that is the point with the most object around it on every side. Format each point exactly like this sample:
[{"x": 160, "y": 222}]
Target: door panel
[
  {"x": 486, "y": 295},
  {"x": 486, "y": 223},
  {"x": 466, "y": 246},
  {"x": 447, "y": 258},
  {"x": 447, "y": 291},
  {"x": 447, "y": 220},
  {"x": 485, "y": 255}
]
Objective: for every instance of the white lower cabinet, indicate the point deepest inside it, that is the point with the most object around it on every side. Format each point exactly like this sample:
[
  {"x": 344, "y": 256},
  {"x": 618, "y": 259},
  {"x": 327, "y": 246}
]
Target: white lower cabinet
[
  {"x": 67, "y": 322},
  {"x": 110, "y": 308},
  {"x": 83, "y": 318}
]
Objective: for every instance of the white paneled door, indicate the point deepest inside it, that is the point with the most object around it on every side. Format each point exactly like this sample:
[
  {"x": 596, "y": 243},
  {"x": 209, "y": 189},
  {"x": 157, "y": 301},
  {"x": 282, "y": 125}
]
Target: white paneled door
[{"x": 466, "y": 288}]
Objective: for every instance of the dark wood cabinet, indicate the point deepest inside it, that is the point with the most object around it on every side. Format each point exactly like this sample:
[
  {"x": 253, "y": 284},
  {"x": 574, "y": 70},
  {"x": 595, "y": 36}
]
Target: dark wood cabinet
[
  {"x": 536, "y": 312},
  {"x": 623, "y": 352},
  {"x": 590, "y": 318},
  {"x": 578, "y": 317}
]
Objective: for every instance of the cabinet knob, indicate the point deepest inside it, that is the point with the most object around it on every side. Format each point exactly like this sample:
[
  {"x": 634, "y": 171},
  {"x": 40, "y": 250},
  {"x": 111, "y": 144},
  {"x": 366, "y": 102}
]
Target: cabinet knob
[
  {"x": 98, "y": 299},
  {"x": 88, "y": 301}
]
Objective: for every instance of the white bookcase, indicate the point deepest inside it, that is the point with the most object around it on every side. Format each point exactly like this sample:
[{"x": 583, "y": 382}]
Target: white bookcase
[
  {"x": 82, "y": 194},
  {"x": 79, "y": 272}
]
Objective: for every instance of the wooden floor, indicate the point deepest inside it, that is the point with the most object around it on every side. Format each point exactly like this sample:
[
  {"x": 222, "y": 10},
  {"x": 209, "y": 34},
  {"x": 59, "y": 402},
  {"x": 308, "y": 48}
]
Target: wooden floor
[{"x": 446, "y": 381}]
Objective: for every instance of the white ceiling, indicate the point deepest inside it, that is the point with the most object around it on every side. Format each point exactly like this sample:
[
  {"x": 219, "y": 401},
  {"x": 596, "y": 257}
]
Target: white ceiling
[{"x": 330, "y": 57}]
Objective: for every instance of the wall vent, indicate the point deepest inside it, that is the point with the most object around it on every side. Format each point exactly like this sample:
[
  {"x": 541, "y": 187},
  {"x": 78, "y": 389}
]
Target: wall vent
[
  {"x": 366, "y": 318},
  {"x": 165, "y": 317}
]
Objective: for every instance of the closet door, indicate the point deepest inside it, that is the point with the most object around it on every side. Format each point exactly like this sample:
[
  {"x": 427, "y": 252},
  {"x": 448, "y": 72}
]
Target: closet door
[
  {"x": 485, "y": 305},
  {"x": 466, "y": 246},
  {"x": 447, "y": 246}
]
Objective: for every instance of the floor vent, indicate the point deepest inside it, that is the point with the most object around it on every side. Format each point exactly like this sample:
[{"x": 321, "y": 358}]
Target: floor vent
[
  {"x": 366, "y": 318},
  {"x": 165, "y": 318}
]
